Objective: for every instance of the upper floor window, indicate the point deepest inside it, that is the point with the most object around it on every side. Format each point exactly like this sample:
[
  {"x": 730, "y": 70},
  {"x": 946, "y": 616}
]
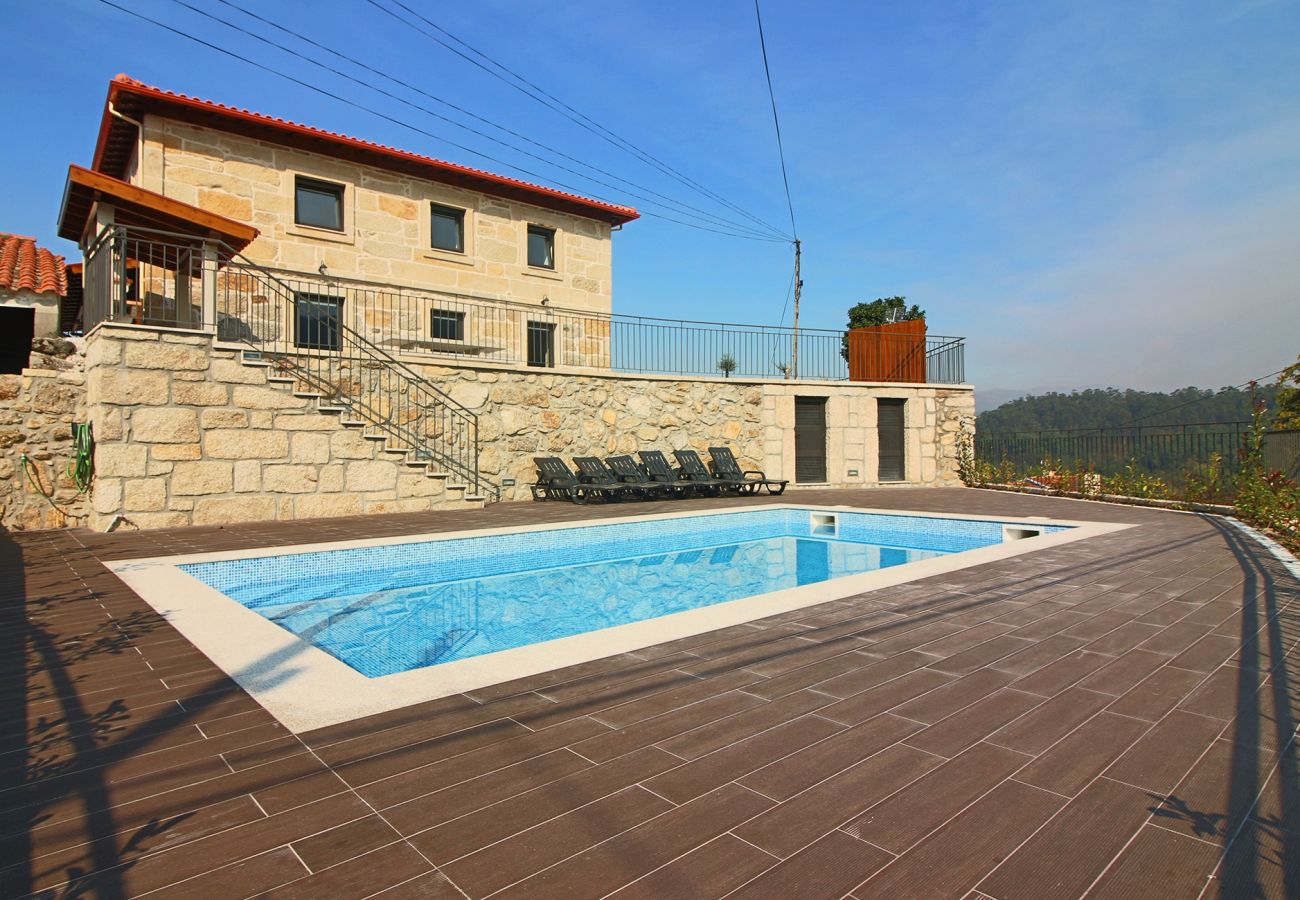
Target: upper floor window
[
  {"x": 318, "y": 204},
  {"x": 541, "y": 247},
  {"x": 316, "y": 320},
  {"x": 447, "y": 228}
]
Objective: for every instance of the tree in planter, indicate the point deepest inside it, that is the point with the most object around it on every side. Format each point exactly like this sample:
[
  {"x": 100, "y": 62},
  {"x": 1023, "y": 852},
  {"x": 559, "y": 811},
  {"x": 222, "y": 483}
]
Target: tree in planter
[
  {"x": 880, "y": 312},
  {"x": 726, "y": 364}
]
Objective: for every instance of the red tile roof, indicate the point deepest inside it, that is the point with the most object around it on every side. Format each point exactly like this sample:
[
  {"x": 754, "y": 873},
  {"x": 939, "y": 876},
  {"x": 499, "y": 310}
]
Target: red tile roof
[
  {"x": 27, "y": 267},
  {"x": 134, "y": 99}
]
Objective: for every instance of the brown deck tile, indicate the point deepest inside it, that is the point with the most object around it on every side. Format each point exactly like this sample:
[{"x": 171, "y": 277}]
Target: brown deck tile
[
  {"x": 802, "y": 819},
  {"x": 784, "y": 778},
  {"x": 950, "y": 736},
  {"x": 502, "y": 864},
  {"x": 1163, "y": 756},
  {"x": 1155, "y": 695},
  {"x": 954, "y": 858},
  {"x": 610, "y": 744},
  {"x": 245, "y": 878},
  {"x": 1051, "y": 679},
  {"x": 1075, "y": 847},
  {"x": 828, "y": 868},
  {"x": 876, "y": 672},
  {"x": 329, "y": 848},
  {"x": 899, "y": 821},
  {"x": 120, "y": 737},
  {"x": 394, "y": 865},
  {"x": 860, "y": 707},
  {"x": 1207, "y": 654},
  {"x": 1123, "y": 672},
  {"x": 419, "y": 813},
  {"x": 1159, "y": 863},
  {"x": 710, "y": 870},
  {"x": 1072, "y": 763},
  {"x": 634, "y": 853},
  {"x": 706, "y": 773},
  {"x": 723, "y": 732},
  {"x": 1037, "y": 730},
  {"x": 458, "y": 837}
]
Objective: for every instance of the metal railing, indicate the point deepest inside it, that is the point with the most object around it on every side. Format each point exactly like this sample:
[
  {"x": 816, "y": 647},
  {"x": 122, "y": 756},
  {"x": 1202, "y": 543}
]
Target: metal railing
[
  {"x": 151, "y": 279},
  {"x": 1165, "y": 450}
]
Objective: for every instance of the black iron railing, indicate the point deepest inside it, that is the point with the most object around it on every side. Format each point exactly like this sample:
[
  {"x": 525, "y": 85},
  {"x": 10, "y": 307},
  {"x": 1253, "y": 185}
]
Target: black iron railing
[{"x": 1163, "y": 450}]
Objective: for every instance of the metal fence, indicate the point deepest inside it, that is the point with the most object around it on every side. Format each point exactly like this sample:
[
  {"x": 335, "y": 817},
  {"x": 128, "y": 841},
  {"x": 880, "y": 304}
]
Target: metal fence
[
  {"x": 1282, "y": 453},
  {"x": 157, "y": 279},
  {"x": 1162, "y": 450}
]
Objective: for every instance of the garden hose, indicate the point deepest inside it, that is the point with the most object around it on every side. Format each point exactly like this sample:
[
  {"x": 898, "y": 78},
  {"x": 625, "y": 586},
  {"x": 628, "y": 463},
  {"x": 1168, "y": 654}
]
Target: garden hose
[{"x": 81, "y": 468}]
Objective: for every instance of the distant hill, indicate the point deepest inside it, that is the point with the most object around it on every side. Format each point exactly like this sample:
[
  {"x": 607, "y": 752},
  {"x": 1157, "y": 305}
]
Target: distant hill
[{"x": 1111, "y": 407}]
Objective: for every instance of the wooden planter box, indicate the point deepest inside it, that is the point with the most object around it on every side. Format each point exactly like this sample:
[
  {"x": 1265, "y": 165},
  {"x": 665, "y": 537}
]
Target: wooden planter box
[{"x": 888, "y": 352}]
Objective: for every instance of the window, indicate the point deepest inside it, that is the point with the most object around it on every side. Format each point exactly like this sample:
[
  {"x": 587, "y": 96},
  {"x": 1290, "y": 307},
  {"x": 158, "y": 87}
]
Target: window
[
  {"x": 447, "y": 228},
  {"x": 541, "y": 247},
  {"x": 316, "y": 321},
  {"x": 445, "y": 325},
  {"x": 541, "y": 344},
  {"x": 318, "y": 204}
]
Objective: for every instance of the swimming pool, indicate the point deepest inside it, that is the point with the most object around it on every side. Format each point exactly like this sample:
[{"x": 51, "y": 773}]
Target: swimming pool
[
  {"x": 326, "y": 633},
  {"x": 390, "y": 609}
]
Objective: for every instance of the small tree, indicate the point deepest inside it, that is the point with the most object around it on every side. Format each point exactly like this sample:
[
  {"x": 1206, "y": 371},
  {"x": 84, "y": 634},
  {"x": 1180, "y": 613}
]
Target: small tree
[
  {"x": 880, "y": 312},
  {"x": 726, "y": 364},
  {"x": 1288, "y": 398}
]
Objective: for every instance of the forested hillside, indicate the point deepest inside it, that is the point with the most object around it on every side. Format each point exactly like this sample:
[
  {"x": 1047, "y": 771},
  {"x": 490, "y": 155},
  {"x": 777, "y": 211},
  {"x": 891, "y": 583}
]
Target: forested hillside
[{"x": 1111, "y": 407}]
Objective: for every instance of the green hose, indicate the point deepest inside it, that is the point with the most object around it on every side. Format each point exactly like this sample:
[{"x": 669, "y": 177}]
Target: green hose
[{"x": 81, "y": 468}]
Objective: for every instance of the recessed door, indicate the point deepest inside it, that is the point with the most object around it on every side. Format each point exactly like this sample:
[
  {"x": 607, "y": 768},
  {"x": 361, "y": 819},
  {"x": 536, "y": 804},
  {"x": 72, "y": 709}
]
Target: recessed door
[
  {"x": 889, "y": 427},
  {"x": 810, "y": 440}
]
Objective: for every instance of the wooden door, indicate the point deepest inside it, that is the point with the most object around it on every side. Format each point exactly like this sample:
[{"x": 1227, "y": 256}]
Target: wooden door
[
  {"x": 889, "y": 427},
  {"x": 810, "y": 440}
]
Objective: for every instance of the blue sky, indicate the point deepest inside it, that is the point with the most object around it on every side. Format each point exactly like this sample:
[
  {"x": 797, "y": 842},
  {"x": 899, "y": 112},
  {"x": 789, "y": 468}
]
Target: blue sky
[{"x": 1094, "y": 194}]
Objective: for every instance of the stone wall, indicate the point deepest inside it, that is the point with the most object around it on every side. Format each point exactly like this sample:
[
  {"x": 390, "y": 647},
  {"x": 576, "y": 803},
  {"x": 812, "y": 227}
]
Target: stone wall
[
  {"x": 386, "y": 228},
  {"x": 37, "y": 409},
  {"x": 187, "y": 435}
]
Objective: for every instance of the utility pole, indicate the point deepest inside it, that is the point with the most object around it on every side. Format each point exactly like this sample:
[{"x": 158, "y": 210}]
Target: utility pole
[{"x": 798, "y": 288}]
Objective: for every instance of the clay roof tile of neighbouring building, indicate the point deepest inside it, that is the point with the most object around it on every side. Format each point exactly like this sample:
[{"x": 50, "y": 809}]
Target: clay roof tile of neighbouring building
[
  {"x": 133, "y": 99},
  {"x": 26, "y": 267}
]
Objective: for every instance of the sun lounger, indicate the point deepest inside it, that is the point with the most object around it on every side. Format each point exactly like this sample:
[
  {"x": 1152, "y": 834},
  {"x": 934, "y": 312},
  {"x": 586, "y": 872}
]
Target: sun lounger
[
  {"x": 555, "y": 481},
  {"x": 630, "y": 472},
  {"x": 596, "y": 479},
  {"x": 726, "y": 467},
  {"x": 694, "y": 471},
  {"x": 660, "y": 470}
]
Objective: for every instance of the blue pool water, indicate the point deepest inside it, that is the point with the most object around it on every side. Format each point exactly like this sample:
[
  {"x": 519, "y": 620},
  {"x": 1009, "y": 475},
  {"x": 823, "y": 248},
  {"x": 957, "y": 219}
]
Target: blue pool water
[{"x": 405, "y": 606}]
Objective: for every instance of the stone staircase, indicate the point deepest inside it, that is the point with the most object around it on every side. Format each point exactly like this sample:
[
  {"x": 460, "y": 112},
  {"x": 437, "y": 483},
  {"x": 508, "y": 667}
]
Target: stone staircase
[{"x": 455, "y": 493}]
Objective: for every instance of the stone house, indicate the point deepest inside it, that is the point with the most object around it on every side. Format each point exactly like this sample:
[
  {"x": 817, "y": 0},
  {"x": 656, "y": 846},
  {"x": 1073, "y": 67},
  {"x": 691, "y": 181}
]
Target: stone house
[{"x": 283, "y": 322}]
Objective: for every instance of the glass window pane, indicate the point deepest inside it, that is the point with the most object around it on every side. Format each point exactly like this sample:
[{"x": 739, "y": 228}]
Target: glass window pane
[
  {"x": 541, "y": 344},
  {"x": 447, "y": 229},
  {"x": 447, "y": 326},
  {"x": 541, "y": 247},
  {"x": 319, "y": 204},
  {"x": 316, "y": 321}
]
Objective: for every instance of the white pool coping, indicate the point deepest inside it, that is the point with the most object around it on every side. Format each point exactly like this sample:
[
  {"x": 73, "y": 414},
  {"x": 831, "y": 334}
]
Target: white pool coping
[{"x": 306, "y": 688}]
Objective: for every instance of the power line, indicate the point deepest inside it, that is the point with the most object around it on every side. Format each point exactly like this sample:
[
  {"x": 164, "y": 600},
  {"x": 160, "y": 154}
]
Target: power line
[
  {"x": 362, "y": 107},
  {"x": 1237, "y": 387},
  {"x": 710, "y": 218},
  {"x": 775, "y": 121},
  {"x": 528, "y": 88}
]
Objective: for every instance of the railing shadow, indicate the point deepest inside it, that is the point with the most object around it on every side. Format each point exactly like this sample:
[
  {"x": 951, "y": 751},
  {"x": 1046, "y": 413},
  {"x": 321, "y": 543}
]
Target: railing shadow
[{"x": 1253, "y": 838}]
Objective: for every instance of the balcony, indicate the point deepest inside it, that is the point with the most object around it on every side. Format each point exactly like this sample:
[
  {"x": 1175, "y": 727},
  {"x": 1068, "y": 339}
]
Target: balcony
[{"x": 169, "y": 280}]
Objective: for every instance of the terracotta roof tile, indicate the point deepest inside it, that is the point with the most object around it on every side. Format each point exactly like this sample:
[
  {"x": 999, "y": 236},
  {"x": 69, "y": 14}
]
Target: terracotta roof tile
[
  {"x": 27, "y": 267},
  {"x": 333, "y": 141}
]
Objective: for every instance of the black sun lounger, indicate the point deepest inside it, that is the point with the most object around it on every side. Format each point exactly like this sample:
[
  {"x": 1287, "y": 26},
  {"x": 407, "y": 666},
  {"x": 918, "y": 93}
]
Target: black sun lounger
[
  {"x": 597, "y": 480},
  {"x": 726, "y": 467},
  {"x": 660, "y": 470},
  {"x": 630, "y": 472},
  {"x": 555, "y": 481},
  {"x": 694, "y": 471}
]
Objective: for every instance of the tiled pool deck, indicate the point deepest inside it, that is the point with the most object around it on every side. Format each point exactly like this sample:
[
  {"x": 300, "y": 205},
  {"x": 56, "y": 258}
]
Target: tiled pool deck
[{"x": 1113, "y": 717}]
